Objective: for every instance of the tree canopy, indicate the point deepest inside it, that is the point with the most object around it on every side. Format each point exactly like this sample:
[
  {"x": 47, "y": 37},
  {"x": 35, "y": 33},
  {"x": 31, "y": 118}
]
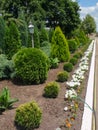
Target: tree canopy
[
  {"x": 88, "y": 24},
  {"x": 64, "y": 13}
]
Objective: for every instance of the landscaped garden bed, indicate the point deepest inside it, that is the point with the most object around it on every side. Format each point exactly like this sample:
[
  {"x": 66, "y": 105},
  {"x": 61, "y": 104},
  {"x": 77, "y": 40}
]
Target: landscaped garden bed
[{"x": 53, "y": 114}]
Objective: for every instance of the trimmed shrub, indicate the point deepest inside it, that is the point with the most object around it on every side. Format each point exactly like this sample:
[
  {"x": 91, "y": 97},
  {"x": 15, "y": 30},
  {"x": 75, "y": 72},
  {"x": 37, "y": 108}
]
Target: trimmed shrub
[
  {"x": 68, "y": 67},
  {"x": 73, "y": 60},
  {"x": 72, "y": 45},
  {"x": 78, "y": 55},
  {"x": 6, "y": 67},
  {"x": 46, "y": 48},
  {"x": 60, "y": 47},
  {"x": 28, "y": 116},
  {"x": 62, "y": 76},
  {"x": 54, "y": 63},
  {"x": 82, "y": 38},
  {"x": 31, "y": 66},
  {"x": 51, "y": 90}
]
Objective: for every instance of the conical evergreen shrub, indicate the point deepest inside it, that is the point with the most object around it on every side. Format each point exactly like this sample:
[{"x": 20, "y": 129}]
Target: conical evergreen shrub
[{"x": 60, "y": 47}]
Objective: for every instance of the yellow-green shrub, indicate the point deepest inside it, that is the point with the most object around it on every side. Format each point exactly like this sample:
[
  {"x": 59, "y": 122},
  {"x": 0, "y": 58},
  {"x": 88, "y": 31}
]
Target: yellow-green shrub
[
  {"x": 51, "y": 90},
  {"x": 62, "y": 76},
  {"x": 28, "y": 116}
]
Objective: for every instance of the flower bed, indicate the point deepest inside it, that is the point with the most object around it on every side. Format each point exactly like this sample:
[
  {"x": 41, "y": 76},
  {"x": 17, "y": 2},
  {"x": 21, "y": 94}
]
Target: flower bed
[{"x": 74, "y": 85}]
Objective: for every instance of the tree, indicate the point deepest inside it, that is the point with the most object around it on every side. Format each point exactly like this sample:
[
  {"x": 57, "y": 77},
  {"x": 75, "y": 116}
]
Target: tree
[
  {"x": 60, "y": 47},
  {"x": 64, "y": 13},
  {"x": 30, "y": 7},
  {"x": 12, "y": 40},
  {"x": 88, "y": 24}
]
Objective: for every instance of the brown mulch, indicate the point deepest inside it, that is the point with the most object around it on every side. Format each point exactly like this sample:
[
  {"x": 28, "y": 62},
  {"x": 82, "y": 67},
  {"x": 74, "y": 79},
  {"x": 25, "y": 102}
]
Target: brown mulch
[{"x": 53, "y": 109}]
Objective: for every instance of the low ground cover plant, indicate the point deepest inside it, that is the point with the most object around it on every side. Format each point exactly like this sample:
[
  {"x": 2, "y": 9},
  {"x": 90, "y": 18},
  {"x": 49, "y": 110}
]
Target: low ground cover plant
[
  {"x": 54, "y": 62},
  {"x": 6, "y": 102}
]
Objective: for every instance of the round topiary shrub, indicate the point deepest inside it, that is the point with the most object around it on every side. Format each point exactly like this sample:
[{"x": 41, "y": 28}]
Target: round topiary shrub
[
  {"x": 62, "y": 76},
  {"x": 31, "y": 66},
  {"x": 73, "y": 60},
  {"x": 68, "y": 67},
  {"x": 78, "y": 55},
  {"x": 51, "y": 90},
  {"x": 72, "y": 45},
  {"x": 28, "y": 116}
]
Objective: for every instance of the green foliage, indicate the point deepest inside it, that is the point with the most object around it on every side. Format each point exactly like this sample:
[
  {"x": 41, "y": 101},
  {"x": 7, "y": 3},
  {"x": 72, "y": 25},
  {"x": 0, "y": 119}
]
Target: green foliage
[
  {"x": 51, "y": 90},
  {"x": 83, "y": 39},
  {"x": 12, "y": 40},
  {"x": 5, "y": 101},
  {"x": 54, "y": 63},
  {"x": 43, "y": 36},
  {"x": 77, "y": 41},
  {"x": 88, "y": 24},
  {"x": 23, "y": 29},
  {"x": 78, "y": 54},
  {"x": 64, "y": 12},
  {"x": 36, "y": 38},
  {"x": 51, "y": 31},
  {"x": 28, "y": 116},
  {"x": 6, "y": 67},
  {"x": 62, "y": 76},
  {"x": 31, "y": 65},
  {"x": 72, "y": 45},
  {"x": 2, "y": 31},
  {"x": 68, "y": 67},
  {"x": 46, "y": 47},
  {"x": 60, "y": 47},
  {"x": 73, "y": 60}
]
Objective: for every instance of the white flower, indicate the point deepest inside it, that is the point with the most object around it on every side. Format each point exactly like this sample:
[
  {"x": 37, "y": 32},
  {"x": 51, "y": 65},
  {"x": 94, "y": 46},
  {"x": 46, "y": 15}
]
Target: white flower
[
  {"x": 65, "y": 108},
  {"x": 70, "y": 93}
]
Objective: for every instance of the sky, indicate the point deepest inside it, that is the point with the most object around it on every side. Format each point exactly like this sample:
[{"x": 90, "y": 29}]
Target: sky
[{"x": 89, "y": 7}]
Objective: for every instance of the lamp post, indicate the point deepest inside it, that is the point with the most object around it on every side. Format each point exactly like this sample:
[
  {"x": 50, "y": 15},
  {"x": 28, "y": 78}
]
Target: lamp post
[{"x": 31, "y": 30}]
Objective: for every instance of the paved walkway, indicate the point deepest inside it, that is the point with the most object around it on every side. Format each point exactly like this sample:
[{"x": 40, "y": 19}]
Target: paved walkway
[{"x": 95, "y": 119}]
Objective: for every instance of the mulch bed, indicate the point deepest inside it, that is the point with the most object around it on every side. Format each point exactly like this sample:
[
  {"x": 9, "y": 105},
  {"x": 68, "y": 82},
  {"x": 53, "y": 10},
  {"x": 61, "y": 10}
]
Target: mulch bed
[{"x": 53, "y": 109}]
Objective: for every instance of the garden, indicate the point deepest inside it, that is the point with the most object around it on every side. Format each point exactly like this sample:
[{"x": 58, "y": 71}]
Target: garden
[
  {"x": 43, "y": 89},
  {"x": 43, "y": 74}
]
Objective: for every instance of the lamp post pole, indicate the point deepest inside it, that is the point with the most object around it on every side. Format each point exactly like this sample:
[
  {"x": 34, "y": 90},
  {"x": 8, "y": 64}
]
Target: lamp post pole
[{"x": 31, "y": 30}]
